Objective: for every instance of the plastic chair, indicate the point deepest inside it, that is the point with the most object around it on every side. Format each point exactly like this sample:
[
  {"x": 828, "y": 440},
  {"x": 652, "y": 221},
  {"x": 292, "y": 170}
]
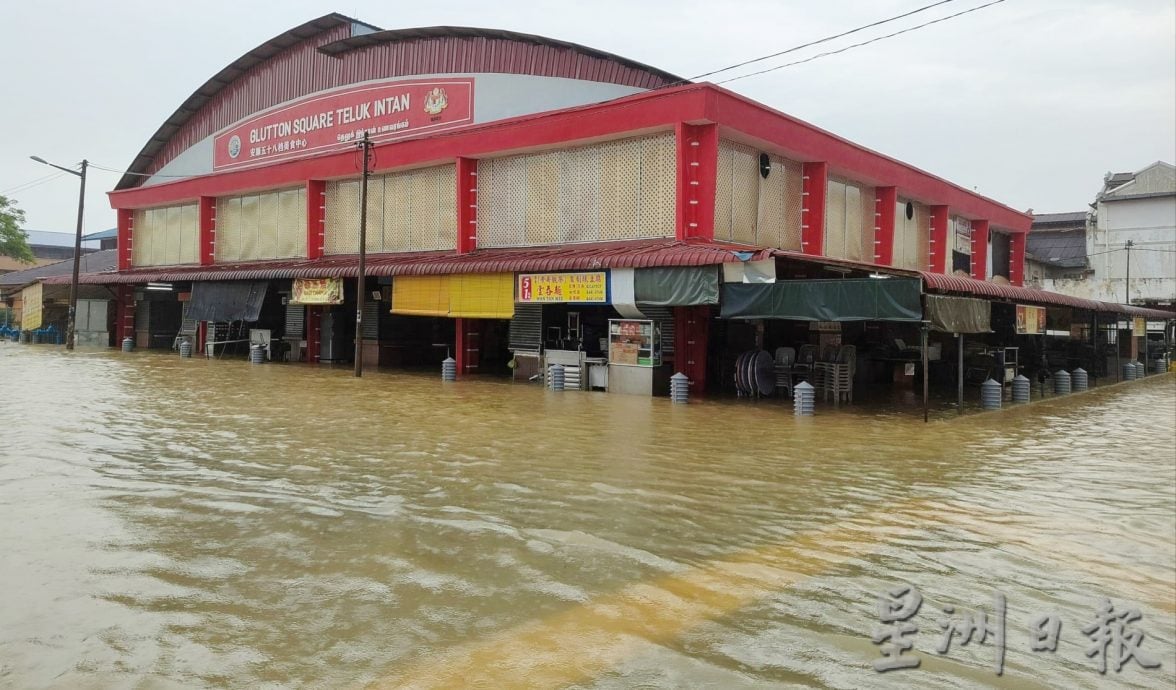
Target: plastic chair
[{"x": 785, "y": 359}]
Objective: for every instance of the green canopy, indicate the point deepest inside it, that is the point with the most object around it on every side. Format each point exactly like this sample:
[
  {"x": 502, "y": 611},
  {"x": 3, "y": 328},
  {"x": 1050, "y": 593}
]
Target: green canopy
[
  {"x": 959, "y": 314},
  {"x": 854, "y": 299},
  {"x": 678, "y": 286}
]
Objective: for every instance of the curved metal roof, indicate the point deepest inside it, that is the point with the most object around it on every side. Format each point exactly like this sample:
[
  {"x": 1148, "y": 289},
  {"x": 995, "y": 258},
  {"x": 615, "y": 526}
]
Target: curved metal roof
[
  {"x": 399, "y": 35},
  {"x": 942, "y": 282},
  {"x": 219, "y": 81},
  {"x": 367, "y": 35}
]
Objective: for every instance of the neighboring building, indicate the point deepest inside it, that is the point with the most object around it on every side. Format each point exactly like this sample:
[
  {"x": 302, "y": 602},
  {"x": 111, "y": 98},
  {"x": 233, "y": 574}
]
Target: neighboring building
[
  {"x": 34, "y": 304},
  {"x": 527, "y": 194},
  {"x": 106, "y": 239},
  {"x": 1056, "y": 249},
  {"x": 48, "y": 248},
  {"x": 1140, "y": 208}
]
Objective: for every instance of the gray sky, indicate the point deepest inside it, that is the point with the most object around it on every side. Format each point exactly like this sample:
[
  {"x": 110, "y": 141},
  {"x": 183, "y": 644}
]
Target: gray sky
[{"x": 1029, "y": 101}]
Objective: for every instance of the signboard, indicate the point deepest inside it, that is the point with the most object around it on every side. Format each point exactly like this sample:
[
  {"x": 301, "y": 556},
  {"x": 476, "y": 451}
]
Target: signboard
[
  {"x": 317, "y": 291},
  {"x": 537, "y": 288},
  {"x": 30, "y": 307},
  {"x": 1030, "y": 320},
  {"x": 1139, "y": 327},
  {"x": 333, "y": 120}
]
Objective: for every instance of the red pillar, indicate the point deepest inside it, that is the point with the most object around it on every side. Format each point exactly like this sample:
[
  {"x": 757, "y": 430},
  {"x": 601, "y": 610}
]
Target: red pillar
[
  {"x": 698, "y": 164},
  {"x": 316, "y": 206},
  {"x": 467, "y": 206},
  {"x": 124, "y": 324},
  {"x": 691, "y": 328},
  {"x": 314, "y": 316},
  {"x": 938, "y": 253},
  {"x": 207, "y": 216},
  {"x": 126, "y": 221},
  {"x": 468, "y": 348},
  {"x": 1017, "y": 258},
  {"x": 885, "y": 203},
  {"x": 812, "y": 213},
  {"x": 980, "y": 249}
]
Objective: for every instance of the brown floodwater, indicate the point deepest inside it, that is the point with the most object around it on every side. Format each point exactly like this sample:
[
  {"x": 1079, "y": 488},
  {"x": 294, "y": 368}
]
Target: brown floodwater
[{"x": 190, "y": 523}]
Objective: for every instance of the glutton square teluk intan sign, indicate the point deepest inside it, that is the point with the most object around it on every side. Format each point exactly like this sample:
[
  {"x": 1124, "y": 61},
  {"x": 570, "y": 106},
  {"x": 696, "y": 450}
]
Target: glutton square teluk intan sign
[{"x": 332, "y": 119}]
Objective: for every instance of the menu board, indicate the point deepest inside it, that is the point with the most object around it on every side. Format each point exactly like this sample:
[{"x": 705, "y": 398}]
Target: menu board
[
  {"x": 634, "y": 342},
  {"x": 1030, "y": 320}
]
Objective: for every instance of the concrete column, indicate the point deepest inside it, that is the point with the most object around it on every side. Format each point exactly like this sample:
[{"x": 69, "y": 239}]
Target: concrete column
[
  {"x": 316, "y": 205},
  {"x": 980, "y": 249},
  {"x": 1017, "y": 258},
  {"x": 206, "y": 212},
  {"x": 468, "y": 345},
  {"x": 939, "y": 253},
  {"x": 812, "y": 213},
  {"x": 691, "y": 331},
  {"x": 885, "y": 205},
  {"x": 126, "y": 222},
  {"x": 467, "y": 206},
  {"x": 698, "y": 161}
]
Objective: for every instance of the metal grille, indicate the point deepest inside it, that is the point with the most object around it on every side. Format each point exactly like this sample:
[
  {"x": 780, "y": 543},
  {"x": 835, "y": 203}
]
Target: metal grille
[
  {"x": 922, "y": 237},
  {"x": 665, "y": 318},
  {"x": 610, "y": 191},
  {"x": 853, "y": 223},
  {"x": 835, "y": 219},
  {"x": 295, "y": 321},
  {"x": 228, "y": 229},
  {"x": 165, "y": 236},
  {"x": 723, "y": 190},
  {"x": 745, "y": 192},
  {"x": 752, "y": 209},
  {"x": 406, "y": 211},
  {"x": 371, "y": 319},
  {"x": 526, "y": 328}
]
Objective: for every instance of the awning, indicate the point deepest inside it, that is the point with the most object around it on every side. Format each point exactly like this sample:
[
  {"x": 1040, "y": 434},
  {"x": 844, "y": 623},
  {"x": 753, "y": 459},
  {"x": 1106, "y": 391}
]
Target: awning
[
  {"x": 864, "y": 299},
  {"x": 227, "y": 301},
  {"x": 675, "y": 286},
  {"x": 478, "y": 296},
  {"x": 959, "y": 314}
]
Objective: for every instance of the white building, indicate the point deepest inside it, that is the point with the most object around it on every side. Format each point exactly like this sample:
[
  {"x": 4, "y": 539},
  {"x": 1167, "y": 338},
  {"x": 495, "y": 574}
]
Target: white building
[{"x": 1137, "y": 208}]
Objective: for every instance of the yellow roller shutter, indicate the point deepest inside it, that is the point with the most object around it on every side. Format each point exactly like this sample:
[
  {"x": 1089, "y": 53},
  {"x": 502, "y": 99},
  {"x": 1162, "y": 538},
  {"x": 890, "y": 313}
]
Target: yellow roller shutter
[
  {"x": 482, "y": 296},
  {"x": 420, "y": 295}
]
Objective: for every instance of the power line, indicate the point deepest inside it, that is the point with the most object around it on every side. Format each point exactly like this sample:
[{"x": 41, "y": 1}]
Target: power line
[
  {"x": 816, "y": 42},
  {"x": 128, "y": 172},
  {"x": 32, "y": 183},
  {"x": 864, "y": 43}
]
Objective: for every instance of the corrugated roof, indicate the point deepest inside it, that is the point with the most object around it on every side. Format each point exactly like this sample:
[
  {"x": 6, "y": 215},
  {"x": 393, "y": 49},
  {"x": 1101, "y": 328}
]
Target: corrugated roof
[
  {"x": 939, "y": 282},
  {"x": 1051, "y": 219},
  {"x": 628, "y": 254},
  {"x": 92, "y": 263},
  {"x": 399, "y": 35},
  {"x": 1064, "y": 249}
]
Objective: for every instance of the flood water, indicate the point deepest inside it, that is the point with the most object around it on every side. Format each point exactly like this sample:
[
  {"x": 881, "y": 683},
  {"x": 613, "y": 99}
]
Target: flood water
[{"x": 189, "y": 523}]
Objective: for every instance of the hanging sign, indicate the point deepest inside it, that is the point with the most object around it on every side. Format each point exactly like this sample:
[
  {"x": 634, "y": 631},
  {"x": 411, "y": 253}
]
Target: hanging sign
[
  {"x": 1139, "y": 327},
  {"x": 333, "y": 120},
  {"x": 537, "y": 288},
  {"x": 317, "y": 291},
  {"x": 1030, "y": 320}
]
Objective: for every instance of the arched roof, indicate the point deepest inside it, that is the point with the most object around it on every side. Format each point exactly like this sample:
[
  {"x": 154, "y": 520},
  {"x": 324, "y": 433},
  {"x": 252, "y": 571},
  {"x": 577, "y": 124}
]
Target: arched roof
[{"x": 455, "y": 49}]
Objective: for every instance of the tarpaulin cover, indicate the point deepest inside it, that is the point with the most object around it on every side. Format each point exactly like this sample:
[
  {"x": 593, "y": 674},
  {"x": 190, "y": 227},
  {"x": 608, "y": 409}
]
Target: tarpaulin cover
[
  {"x": 227, "y": 301},
  {"x": 864, "y": 299},
  {"x": 677, "y": 286},
  {"x": 959, "y": 314}
]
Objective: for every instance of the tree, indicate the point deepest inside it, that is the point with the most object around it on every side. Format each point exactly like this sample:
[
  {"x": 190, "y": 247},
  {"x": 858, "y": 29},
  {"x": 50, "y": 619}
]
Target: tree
[{"x": 14, "y": 241}]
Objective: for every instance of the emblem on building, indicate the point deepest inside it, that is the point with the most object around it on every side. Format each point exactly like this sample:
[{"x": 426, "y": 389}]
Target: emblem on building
[
  {"x": 436, "y": 101},
  {"x": 234, "y": 146}
]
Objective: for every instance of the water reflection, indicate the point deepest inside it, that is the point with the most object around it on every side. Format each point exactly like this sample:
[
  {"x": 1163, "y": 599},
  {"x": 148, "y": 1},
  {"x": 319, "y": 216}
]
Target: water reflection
[{"x": 195, "y": 523}]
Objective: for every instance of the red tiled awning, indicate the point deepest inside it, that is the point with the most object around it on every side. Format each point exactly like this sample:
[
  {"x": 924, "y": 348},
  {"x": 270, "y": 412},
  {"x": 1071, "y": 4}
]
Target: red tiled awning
[
  {"x": 953, "y": 284},
  {"x": 576, "y": 257}
]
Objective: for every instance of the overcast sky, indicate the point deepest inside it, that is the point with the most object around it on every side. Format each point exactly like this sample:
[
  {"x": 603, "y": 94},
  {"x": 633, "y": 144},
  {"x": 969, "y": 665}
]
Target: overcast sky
[{"x": 1029, "y": 102}]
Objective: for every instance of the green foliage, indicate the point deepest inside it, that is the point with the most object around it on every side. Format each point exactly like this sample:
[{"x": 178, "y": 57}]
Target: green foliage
[{"x": 13, "y": 240}]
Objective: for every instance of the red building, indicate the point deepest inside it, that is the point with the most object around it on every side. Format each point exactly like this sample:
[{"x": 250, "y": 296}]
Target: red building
[{"x": 526, "y": 195}]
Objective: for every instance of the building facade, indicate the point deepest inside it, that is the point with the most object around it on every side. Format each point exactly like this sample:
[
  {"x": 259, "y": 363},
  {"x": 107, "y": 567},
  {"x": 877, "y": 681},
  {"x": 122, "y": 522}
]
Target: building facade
[{"x": 526, "y": 194}]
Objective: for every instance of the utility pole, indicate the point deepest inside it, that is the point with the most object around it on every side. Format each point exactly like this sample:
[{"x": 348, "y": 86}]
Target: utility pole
[
  {"x": 365, "y": 147},
  {"x": 1127, "y": 290},
  {"x": 77, "y": 257}
]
